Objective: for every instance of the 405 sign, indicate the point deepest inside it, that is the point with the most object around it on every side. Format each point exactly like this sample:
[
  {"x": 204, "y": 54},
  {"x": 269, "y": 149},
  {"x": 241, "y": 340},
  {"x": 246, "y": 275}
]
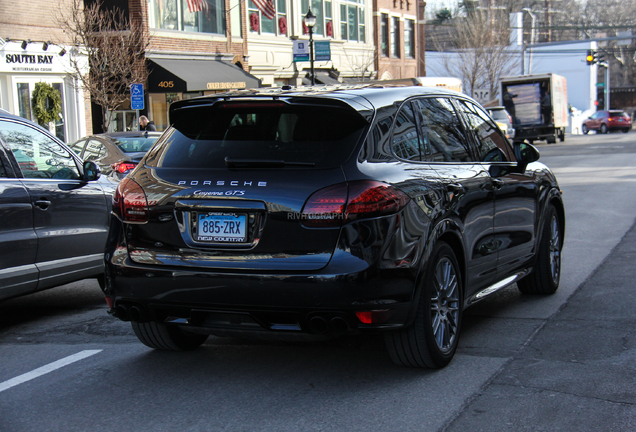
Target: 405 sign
[{"x": 166, "y": 84}]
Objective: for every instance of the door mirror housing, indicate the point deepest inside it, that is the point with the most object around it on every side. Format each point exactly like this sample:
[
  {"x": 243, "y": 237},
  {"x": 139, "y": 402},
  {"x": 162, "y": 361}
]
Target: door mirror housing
[
  {"x": 525, "y": 153},
  {"x": 91, "y": 171}
]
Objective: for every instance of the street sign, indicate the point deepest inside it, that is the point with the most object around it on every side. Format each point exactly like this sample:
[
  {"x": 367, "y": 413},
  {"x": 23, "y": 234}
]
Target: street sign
[
  {"x": 137, "y": 96},
  {"x": 301, "y": 50},
  {"x": 323, "y": 51},
  {"x": 600, "y": 84}
]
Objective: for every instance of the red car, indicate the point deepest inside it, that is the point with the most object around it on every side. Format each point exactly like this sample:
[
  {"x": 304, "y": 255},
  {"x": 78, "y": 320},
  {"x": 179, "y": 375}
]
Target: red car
[{"x": 606, "y": 121}]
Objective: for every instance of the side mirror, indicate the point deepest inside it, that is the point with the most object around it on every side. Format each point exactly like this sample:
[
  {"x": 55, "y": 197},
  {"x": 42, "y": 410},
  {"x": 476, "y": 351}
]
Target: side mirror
[
  {"x": 525, "y": 153},
  {"x": 91, "y": 171}
]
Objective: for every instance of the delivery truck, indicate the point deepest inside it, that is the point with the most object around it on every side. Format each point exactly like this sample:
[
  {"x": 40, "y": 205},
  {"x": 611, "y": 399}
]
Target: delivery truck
[{"x": 538, "y": 105}]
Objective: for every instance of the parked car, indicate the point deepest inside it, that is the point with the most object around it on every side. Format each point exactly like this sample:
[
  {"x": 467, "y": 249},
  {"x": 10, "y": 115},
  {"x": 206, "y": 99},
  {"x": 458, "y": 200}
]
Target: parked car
[
  {"x": 503, "y": 120},
  {"x": 325, "y": 212},
  {"x": 54, "y": 210},
  {"x": 116, "y": 153},
  {"x": 607, "y": 121}
]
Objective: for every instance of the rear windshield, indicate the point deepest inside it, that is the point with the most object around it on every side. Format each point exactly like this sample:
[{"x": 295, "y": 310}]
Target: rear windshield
[
  {"x": 499, "y": 115},
  {"x": 295, "y": 136},
  {"x": 618, "y": 113},
  {"x": 135, "y": 144}
]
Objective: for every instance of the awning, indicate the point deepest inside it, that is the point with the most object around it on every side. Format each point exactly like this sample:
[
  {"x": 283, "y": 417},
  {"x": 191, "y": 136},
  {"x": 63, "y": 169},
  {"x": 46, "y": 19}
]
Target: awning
[
  {"x": 173, "y": 75},
  {"x": 321, "y": 78}
]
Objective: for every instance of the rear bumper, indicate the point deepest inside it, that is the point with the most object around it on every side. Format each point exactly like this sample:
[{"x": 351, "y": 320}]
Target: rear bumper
[{"x": 319, "y": 302}]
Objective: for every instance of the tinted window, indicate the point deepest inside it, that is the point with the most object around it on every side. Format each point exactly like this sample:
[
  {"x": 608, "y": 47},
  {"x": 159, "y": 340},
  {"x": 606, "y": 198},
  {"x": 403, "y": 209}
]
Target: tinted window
[
  {"x": 38, "y": 155},
  {"x": 406, "y": 142},
  {"x": 135, "y": 144},
  {"x": 442, "y": 135},
  {"x": 94, "y": 150},
  {"x": 318, "y": 135},
  {"x": 491, "y": 144},
  {"x": 77, "y": 147}
]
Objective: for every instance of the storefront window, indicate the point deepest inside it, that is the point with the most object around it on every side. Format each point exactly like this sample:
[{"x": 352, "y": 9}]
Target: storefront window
[
  {"x": 60, "y": 122},
  {"x": 24, "y": 100},
  {"x": 183, "y": 15}
]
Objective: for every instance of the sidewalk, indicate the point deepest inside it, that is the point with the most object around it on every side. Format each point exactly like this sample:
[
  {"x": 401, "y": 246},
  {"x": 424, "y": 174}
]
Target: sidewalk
[{"x": 578, "y": 372}]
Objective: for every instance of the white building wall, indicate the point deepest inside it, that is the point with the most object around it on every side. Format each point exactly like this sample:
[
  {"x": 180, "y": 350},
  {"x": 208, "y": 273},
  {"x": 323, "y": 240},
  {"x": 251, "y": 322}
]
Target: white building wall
[{"x": 271, "y": 56}]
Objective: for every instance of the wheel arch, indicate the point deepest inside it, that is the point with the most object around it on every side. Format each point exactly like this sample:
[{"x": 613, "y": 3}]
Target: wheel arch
[{"x": 448, "y": 232}]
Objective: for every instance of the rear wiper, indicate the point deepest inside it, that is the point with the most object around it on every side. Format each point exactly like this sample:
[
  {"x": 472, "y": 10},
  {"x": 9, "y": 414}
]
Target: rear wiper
[{"x": 263, "y": 163}]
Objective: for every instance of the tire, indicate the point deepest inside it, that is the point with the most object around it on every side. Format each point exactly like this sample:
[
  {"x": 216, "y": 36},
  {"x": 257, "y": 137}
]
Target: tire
[
  {"x": 625, "y": 130},
  {"x": 603, "y": 128},
  {"x": 167, "y": 338},
  {"x": 551, "y": 140},
  {"x": 561, "y": 135},
  {"x": 432, "y": 340},
  {"x": 584, "y": 129},
  {"x": 546, "y": 274}
]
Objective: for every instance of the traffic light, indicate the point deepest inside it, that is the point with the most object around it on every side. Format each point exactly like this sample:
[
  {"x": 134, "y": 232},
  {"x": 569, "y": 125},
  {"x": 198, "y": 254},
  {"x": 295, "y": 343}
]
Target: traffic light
[{"x": 591, "y": 57}]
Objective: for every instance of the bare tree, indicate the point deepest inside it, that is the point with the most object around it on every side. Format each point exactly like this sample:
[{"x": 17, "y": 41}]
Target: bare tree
[
  {"x": 481, "y": 54},
  {"x": 109, "y": 53},
  {"x": 362, "y": 63}
]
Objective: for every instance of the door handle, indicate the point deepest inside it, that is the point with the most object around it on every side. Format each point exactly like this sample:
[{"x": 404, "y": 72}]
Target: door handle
[
  {"x": 456, "y": 188},
  {"x": 498, "y": 183},
  {"x": 43, "y": 203}
]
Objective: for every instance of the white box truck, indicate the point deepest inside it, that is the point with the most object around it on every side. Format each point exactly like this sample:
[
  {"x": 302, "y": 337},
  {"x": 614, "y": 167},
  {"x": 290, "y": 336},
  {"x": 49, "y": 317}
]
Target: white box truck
[{"x": 538, "y": 105}]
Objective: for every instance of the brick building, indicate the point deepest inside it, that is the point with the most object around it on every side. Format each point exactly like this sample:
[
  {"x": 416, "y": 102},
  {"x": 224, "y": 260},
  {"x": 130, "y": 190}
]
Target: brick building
[{"x": 399, "y": 38}]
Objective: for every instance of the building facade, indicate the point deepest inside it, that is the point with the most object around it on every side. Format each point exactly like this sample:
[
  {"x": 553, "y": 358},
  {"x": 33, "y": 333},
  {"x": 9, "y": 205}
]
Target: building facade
[
  {"x": 345, "y": 25},
  {"x": 33, "y": 49},
  {"x": 397, "y": 38}
]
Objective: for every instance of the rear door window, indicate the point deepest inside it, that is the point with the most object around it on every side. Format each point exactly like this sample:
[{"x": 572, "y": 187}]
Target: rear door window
[
  {"x": 407, "y": 143},
  {"x": 278, "y": 134},
  {"x": 442, "y": 135},
  {"x": 492, "y": 146}
]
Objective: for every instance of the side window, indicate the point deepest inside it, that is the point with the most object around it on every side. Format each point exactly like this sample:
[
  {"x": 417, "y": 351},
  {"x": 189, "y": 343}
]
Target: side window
[
  {"x": 94, "y": 150},
  {"x": 442, "y": 135},
  {"x": 406, "y": 142},
  {"x": 38, "y": 156},
  {"x": 492, "y": 146},
  {"x": 3, "y": 172}
]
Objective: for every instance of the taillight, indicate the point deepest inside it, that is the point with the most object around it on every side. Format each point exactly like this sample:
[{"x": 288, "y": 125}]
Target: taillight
[
  {"x": 130, "y": 202},
  {"x": 329, "y": 207},
  {"x": 122, "y": 167},
  {"x": 325, "y": 208}
]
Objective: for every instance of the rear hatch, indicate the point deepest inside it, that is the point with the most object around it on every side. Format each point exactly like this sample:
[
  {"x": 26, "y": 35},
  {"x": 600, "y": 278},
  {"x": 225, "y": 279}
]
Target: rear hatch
[{"x": 226, "y": 186}]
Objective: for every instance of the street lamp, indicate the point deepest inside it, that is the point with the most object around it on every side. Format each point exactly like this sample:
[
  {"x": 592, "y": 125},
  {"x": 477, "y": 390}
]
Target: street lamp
[
  {"x": 533, "y": 18},
  {"x": 310, "y": 22}
]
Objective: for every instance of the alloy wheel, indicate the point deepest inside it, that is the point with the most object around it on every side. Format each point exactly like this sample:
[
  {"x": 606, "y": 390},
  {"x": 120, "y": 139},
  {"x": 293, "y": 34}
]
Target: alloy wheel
[
  {"x": 555, "y": 249},
  {"x": 445, "y": 305}
]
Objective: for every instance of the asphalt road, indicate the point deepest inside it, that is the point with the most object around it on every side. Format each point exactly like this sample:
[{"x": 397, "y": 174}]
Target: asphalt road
[{"x": 66, "y": 365}]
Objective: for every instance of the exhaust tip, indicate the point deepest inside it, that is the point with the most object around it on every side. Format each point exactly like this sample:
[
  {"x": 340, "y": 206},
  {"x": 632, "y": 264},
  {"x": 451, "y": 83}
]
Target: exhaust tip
[
  {"x": 339, "y": 325},
  {"x": 318, "y": 325},
  {"x": 136, "y": 314},
  {"x": 121, "y": 312}
]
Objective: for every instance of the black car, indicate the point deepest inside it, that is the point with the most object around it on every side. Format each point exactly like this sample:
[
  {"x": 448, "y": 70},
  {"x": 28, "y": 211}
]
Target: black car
[
  {"x": 54, "y": 211},
  {"x": 115, "y": 153},
  {"x": 329, "y": 211}
]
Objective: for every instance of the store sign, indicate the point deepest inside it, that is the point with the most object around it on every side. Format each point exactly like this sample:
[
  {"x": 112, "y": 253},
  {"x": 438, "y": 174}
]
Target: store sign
[
  {"x": 21, "y": 61},
  {"x": 226, "y": 85}
]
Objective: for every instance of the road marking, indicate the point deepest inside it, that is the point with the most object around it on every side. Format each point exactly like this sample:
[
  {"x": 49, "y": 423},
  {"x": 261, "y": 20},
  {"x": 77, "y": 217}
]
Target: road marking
[{"x": 46, "y": 369}]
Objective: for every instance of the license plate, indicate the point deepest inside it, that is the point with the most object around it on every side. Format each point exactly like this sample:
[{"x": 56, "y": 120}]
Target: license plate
[{"x": 221, "y": 227}]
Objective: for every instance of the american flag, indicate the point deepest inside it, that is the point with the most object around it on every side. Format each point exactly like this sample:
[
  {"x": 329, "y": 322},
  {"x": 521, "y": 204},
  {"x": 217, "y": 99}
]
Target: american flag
[
  {"x": 266, "y": 7},
  {"x": 198, "y": 6}
]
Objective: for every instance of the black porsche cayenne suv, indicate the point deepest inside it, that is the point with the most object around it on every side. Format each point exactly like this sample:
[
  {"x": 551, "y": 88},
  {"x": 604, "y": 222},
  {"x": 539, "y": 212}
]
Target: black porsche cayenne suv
[{"x": 329, "y": 211}]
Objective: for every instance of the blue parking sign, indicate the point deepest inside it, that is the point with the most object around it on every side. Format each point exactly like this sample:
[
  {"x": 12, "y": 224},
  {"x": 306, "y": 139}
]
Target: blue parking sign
[{"x": 137, "y": 96}]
